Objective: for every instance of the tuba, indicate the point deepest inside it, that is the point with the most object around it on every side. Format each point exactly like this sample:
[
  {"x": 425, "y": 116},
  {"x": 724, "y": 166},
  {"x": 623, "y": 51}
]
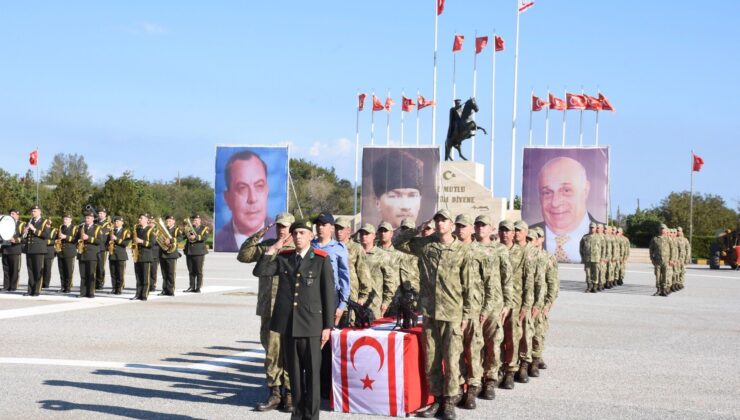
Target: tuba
[
  {"x": 188, "y": 228},
  {"x": 162, "y": 235}
]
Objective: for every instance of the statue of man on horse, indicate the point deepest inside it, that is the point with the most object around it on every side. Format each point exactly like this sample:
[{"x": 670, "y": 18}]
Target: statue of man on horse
[{"x": 461, "y": 127}]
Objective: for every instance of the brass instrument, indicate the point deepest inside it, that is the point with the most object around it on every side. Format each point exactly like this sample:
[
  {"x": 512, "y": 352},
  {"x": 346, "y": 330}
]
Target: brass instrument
[
  {"x": 111, "y": 242},
  {"x": 188, "y": 227},
  {"x": 134, "y": 246},
  {"x": 57, "y": 241},
  {"x": 162, "y": 235},
  {"x": 81, "y": 242}
]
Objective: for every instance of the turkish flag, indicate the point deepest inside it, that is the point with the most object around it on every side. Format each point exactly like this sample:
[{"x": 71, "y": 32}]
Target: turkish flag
[
  {"x": 556, "y": 103},
  {"x": 440, "y": 7},
  {"x": 698, "y": 162},
  {"x": 33, "y": 158},
  {"x": 605, "y": 104},
  {"x": 458, "y": 43},
  {"x": 388, "y": 103},
  {"x": 524, "y": 5},
  {"x": 575, "y": 101},
  {"x": 593, "y": 104},
  {"x": 480, "y": 43},
  {"x": 407, "y": 104},
  {"x": 361, "y": 101},
  {"x": 538, "y": 104},
  {"x": 377, "y": 105},
  {"x": 499, "y": 43},
  {"x": 422, "y": 103}
]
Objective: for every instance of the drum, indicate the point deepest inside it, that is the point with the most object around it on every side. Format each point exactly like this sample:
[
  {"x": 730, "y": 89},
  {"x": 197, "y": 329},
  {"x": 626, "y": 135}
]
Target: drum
[{"x": 7, "y": 228}]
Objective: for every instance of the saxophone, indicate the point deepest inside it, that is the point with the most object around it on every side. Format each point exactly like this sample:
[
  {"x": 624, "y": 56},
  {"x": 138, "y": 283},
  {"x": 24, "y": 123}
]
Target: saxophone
[
  {"x": 111, "y": 242},
  {"x": 58, "y": 242},
  {"x": 81, "y": 242},
  {"x": 134, "y": 245}
]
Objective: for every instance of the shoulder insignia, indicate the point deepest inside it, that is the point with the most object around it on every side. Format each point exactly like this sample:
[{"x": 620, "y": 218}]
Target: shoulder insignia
[
  {"x": 287, "y": 251},
  {"x": 320, "y": 252}
]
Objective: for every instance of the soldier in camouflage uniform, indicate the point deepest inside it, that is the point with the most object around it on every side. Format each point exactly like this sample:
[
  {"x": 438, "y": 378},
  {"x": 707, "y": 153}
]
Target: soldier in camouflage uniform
[
  {"x": 500, "y": 302},
  {"x": 444, "y": 265},
  {"x": 609, "y": 255},
  {"x": 675, "y": 258},
  {"x": 624, "y": 256},
  {"x": 390, "y": 285},
  {"x": 360, "y": 280},
  {"x": 383, "y": 268},
  {"x": 408, "y": 264},
  {"x": 590, "y": 249},
  {"x": 686, "y": 257},
  {"x": 539, "y": 262},
  {"x": 251, "y": 251},
  {"x": 660, "y": 254},
  {"x": 547, "y": 296},
  {"x": 601, "y": 237}
]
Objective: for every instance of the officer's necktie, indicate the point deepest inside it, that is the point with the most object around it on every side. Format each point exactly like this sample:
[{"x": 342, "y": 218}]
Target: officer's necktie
[
  {"x": 560, "y": 254},
  {"x": 298, "y": 259}
]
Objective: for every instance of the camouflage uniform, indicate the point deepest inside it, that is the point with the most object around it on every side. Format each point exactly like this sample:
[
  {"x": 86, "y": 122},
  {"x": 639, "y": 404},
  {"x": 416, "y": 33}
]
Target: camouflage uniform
[
  {"x": 675, "y": 258},
  {"x": 591, "y": 255},
  {"x": 383, "y": 266},
  {"x": 686, "y": 245},
  {"x": 522, "y": 280},
  {"x": 625, "y": 255},
  {"x": 542, "y": 322},
  {"x": 537, "y": 263},
  {"x": 444, "y": 303},
  {"x": 660, "y": 257},
  {"x": 360, "y": 280},
  {"x": 602, "y": 259},
  {"x": 493, "y": 328},
  {"x": 609, "y": 253}
]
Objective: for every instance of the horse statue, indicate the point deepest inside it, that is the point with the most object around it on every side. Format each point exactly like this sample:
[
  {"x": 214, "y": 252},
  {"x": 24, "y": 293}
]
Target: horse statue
[{"x": 461, "y": 128}]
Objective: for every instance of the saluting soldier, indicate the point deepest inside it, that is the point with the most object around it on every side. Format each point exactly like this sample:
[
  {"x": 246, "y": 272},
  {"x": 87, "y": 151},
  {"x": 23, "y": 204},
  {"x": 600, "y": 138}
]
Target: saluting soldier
[
  {"x": 35, "y": 234},
  {"x": 49, "y": 257},
  {"x": 195, "y": 253},
  {"x": 407, "y": 263},
  {"x": 120, "y": 238},
  {"x": 154, "y": 267},
  {"x": 143, "y": 236},
  {"x": 168, "y": 261},
  {"x": 105, "y": 227},
  {"x": 304, "y": 311},
  {"x": 88, "y": 235},
  {"x": 66, "y": 258},
  {"x": 276, "y": 373},
  {"x": 12, "y": 254}
]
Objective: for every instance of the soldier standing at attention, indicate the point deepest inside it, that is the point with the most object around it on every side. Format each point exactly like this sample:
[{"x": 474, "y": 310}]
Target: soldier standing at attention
[
  {"x": 168, "y": 261},
  {"x": 143, "y": 236},
  {"x": 120, "y": 238},
  {"x": 105, "y": 227},
  {"x": 381, "y": 266},
  {"x": 195, "y": 253},
  {"x": 625, "y": 255},
  {"x": 660, "y": 257},
  {"x": 391, "y": 282},
  {"x": 601, "y": 237},
  {"x": 49, "y": 257},
  {"x": 590, "y": 255},
  {"x": 360, "y": 280},
  {"x": 493, "y": 321},
  {"x": 276, "y": 373},
  {"x": 88, "y": 234},
  {"x": 12, "y": 254},
  {"x": 444, "y": 264},
  {"x": 686, "y": 257},
  {"x": 540, "y": 290},
  {"x": 542, "y": 323},
  {"x": 35, "y": 234},
  {"x": 66, "y": 258}
]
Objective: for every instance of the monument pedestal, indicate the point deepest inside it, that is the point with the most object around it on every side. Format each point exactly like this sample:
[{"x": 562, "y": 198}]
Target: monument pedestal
[{"x": 462, "y": 190}]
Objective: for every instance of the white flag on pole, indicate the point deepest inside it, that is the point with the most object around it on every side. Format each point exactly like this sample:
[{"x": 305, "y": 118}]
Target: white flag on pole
[{"x": 524, "y": 5}]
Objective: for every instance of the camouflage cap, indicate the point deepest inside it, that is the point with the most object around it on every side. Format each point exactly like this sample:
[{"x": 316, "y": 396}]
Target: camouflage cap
[
  {"x": 620, "y": 230},
  {"x": 599, "y": 226},
  {"x": 680, "y": 229},
  {"x": 343, "y": 222},
  {"x": 385, "y": 225},
  {"x": 367, "y": 228},
  {"x": 284, "y": 219},
  {"x": 506, "y": 224},
  {"x": 532, "y": 234},
  {"x": 663, "y": 226},
  {"x": 443, "y": 213},
  {"x": 521, "y": 225},
  {"x": 592, "y": 225},
  {"x": 407, "y": 223},
  {"x": 463, "y": 219},
  {"x": 483, "y": 219},
  {"x": 301, "y": 224},
  {"x": 540, "y": 232}
]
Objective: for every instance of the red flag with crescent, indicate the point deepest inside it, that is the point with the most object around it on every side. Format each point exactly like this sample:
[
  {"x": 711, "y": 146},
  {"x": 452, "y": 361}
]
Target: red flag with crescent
[
  {"x": 407, "y": 104},
  {"x": 422, "y": 102},
  {"x": 361, "y": 101},
  {"x": 457, "y": 44},
  {"x": 605, "y": 104},
  {"x": 33, "y": 158},
  {"x": 388, "y": 103},
  {"x": 440, "y": 7},
  {"x": 377, "y": 105},
  {"x": 556, "y": 103},
  {"x": 480, "y": 43},
  {"x": 592, "y": 103},
  {"x": 698, "y": 162},
  {"x": 499, "y": 43},
  {"x": 575, "y": 101},
  {"x": 538, "y": 104}
]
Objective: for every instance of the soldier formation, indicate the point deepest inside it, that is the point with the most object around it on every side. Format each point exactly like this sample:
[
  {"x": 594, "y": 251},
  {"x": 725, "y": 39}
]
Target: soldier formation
[
  {"x": 485, "y": 298},
  {"x": 669, "y": 253},
  {"x": 604, "y": 254},
  {"x": 154, "y": 244}
]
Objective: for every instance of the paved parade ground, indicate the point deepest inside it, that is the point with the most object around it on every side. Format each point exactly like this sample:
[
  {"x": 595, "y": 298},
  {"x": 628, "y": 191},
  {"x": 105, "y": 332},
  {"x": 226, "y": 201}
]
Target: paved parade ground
[{"x": 621, "y": 353}]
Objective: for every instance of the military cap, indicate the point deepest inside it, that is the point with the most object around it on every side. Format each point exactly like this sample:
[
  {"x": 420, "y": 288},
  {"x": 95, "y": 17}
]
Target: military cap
[
  {"x": 325, "y": 218},
  {"x": 36, "y": 207},
  {"x": 483, "y": 219},
  {"x": 117, "y": 218},
  {"x": 284, "y": 219},
  {"x": 427, "y": 225},
  {"x": 521, "y": 225},
  {"x": 148, "y": 216},
  {"x": 397, "y": 169},
  {"x": 444, "y": 213},
  {"x": 13, "y": 211},
  {"x": 89, "y": 213},
  {"x": 102, "y": 209},
  {"x": 506, "y": 224},
  {"x": 385, "y": 225},
  {"x": 680, "y": 229},
  {"x": 301, "y": 224},
  {"x": 368, "y": 228},
  {"x": 532, "y": 234},
  {"x": 194, "y": 216},
  {"x": 620, "y": 230},
  {"x": 343, "y": 222},
  {"x": 599, "y": 226},
  {"x": 169, "y": 216},
  {"x": 540, "y": 232},
  {"x": 592, "y": 225},
  {"x": 663, "y": 226},
  {"x": 66, "y": 215},
  {"x": 407, "y": 223},
  {"x": 463, "y": 219}
]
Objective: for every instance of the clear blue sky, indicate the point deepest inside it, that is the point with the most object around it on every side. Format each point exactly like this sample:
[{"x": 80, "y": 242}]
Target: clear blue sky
[{"x": 153, "y": 86}]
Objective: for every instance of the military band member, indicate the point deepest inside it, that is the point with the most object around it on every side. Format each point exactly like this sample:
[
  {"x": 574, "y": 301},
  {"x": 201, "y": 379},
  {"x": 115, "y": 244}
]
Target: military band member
[
  {"x": 168, "y": 261},
  {"x": 154, "y": 267},
  {"x": 88, "y": 243},
  {"x": 119, "y": 238},
  {"x": 12, "y": 254},
  {"x": 105, "y": 227},
  {"x": 276, "y": 373},
  {"x": 195, "y": 252},
  {"x": 35, "y": 234},
  {"x": 49, "y": 257},
  {"x": 143, "y": 236},
  {"x": 66, "y": 258}
]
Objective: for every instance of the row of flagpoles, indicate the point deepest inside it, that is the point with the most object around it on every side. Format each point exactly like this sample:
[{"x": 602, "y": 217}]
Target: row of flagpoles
[{"x": 574, "y": 102}]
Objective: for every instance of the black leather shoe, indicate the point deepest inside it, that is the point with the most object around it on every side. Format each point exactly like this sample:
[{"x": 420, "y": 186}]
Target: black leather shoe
[
  {"x": 468, "y": 401},
  {"x": 432, "y": 410},
  {"x": 542, "y": 364},
  {"x": 196, "y": 291},
  {"x": 188, "y": 290}
]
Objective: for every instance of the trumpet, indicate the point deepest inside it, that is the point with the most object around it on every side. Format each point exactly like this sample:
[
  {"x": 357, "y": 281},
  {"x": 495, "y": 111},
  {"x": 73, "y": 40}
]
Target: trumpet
[
  {"x": 163, "y": 237},
  {"x": 188, "y": 228}
]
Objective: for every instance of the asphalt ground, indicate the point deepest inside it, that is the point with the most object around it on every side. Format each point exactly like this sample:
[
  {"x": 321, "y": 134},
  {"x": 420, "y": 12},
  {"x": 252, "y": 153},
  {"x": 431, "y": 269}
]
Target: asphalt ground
[{"x": 621, "y": 353}]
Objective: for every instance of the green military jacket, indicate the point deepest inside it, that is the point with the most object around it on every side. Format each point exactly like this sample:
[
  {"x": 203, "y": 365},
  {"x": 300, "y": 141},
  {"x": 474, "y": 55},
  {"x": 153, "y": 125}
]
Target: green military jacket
[
  {"x": 540, "y": 286},
  {"x": 383, "y": 267},
  {"x": 251, "y": 251},
  {"x": 552, "y": 279},
  {"x": 360, "y": 280},
  {"x": 590, "y": 248},
  {"x": 686, "y": 249},
  {"x": 660, "y": 253},
  {"x": 522, "y": 279},
  {"x": 498, "y": 257}
]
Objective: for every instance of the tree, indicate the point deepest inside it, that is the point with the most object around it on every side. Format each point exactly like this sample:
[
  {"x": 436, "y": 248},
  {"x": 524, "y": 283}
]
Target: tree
[
  {"x": 710, "y": 213},
  {"x": 16, "y": 192},
  {"x": 67, "y": 166},
  {"x": 183, "y": 197},
  {"x": 318, "y": 190},
  {"x": 642, "y": 226},
  {"x": 125, "y": 196}
]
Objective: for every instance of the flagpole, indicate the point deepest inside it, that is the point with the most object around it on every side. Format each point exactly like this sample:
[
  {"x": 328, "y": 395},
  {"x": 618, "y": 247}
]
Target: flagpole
[
  {"x": 388, "y": 123},
  {"x": 357, "y": 153},
  {"x": 372, "y": 120},
  {"x": 580, "y": 129},
  {"x": 493, "y": 114},
  {"x": 417, "y": 117},
  {"x": 547, "y": 118},
  {"x": 513, "y": 117},
  {"x": 454, "y": 71},
  {"x": 434, "y": 80},
  {"x": 475, "y": 79},
  {"x": 691, "y": 201},
  {"x": 530, "y": 118},
  {"x": 402, "y": 96},
  {"x": 564, "y": 111},
  {"x": 37, "y": 175},
  {"x": 598, "y": 92}
]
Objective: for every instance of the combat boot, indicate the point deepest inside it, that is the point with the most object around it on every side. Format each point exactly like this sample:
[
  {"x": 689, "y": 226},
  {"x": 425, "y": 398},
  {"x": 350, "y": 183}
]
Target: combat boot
[
  {"x": 508, "y": 382},
  {"x": 489, "y": 390},
  {"x": 288, "y": 402},
  {"x": 448, "y": 409},
  {"x": 457, "y": 398},
  {"x": 432, "y": 410},
  {"x": 534, "y": 369},
  {"x": 273, "y": 400},
  {"x": 521, "y": 375},
  {"x": 657, "y": 292},
  {"x": 589, "y": 288},
  {"x": 620, "y": 282},
  {"x": 608, "y": 285},
  {"x": 542, "y": 364},
  {"x": 469, "y": 400}
]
